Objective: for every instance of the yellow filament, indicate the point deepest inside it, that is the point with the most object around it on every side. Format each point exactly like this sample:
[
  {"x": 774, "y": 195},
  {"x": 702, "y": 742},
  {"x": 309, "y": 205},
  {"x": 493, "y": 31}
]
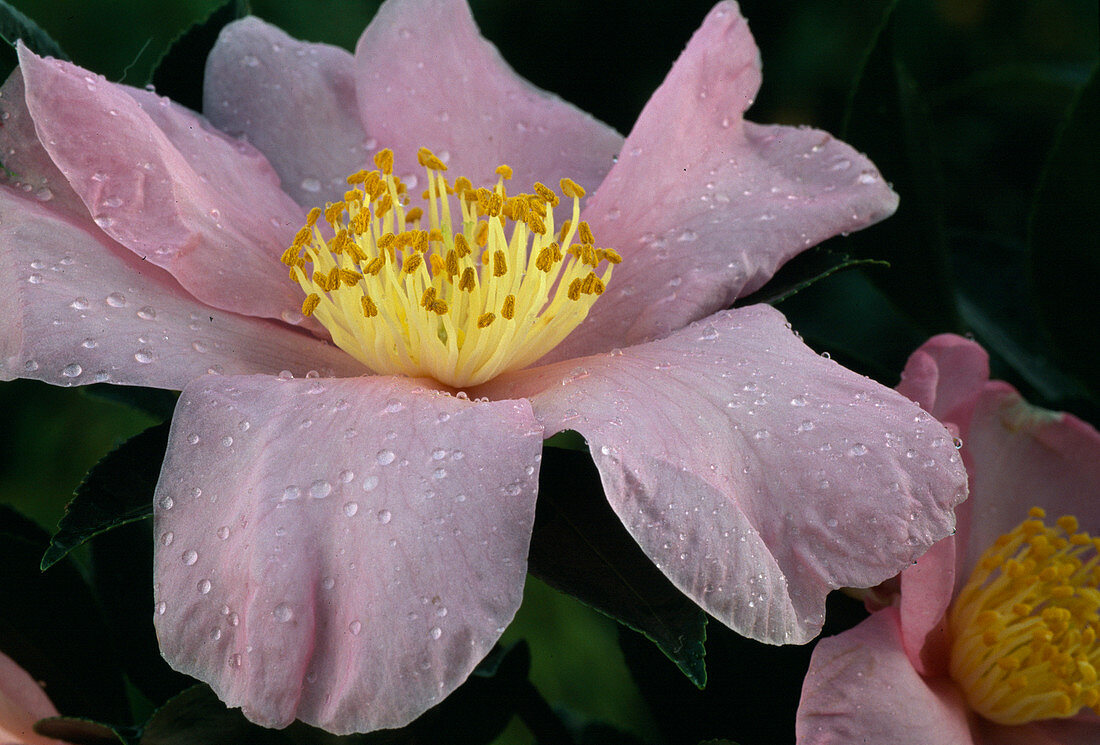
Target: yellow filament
[
  {"x": 1025, "y": 626},
  {"x": 484, "y": 289}
]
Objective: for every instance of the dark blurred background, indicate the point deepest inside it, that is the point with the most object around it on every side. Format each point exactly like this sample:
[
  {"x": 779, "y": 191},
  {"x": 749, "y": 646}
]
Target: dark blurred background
[{"x": 979, "y": 111}]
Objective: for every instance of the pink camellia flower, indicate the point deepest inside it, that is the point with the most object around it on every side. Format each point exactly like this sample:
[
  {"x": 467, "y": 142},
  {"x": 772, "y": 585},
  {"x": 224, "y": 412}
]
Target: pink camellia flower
[
  {"x": 22, "y": 703},
  {"x": 344, "y": 548},
  {"x": 993, "y": 638}
]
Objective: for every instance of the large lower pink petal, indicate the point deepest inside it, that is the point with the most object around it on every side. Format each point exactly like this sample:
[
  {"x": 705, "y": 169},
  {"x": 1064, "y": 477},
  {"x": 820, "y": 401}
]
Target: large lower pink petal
[
  {"x": 22, "y": 703},
  {"x": 162, "y": 182},
  {"x": 704, "y": 206},
  {"x": 294, "y": 101},
  {"x": 426, "y": 77},
  {"x": 756, "y": 474},
  {"x": 1022, "y": 456},
  {"x": 860, "y": 688},
  {"x": 78, "y": 308},
  {"x": 343, "y": 552}
]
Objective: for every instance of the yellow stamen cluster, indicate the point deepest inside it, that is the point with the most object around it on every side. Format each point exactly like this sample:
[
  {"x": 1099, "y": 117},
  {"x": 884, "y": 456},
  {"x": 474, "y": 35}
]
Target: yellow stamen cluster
[
  {"x": 481, "y": 289},
  {"x": 1025, "y": 625}
]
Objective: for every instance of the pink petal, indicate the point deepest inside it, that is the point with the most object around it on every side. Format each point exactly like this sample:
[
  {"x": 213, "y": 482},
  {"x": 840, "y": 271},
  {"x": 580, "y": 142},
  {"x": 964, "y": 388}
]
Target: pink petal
[
  {"x": 294, "y": 101},
  {"x": 163, "y": 183},
  {"x": 704, "y": 206},
  {"x": 1023, "y": 456},
  {"x": 24, "y": 156},
  {"x": 80, "y": 309},
  {"x": 926, "y": 591},
  {"x": 426, "y": 77},
  {"x": 756, "y": 474},
  {"x": 945, "y": 376},
  {"x": 343, "y": 552},
  {"x": 860, "y": 688},
  {"x": 22, "y": 703}
]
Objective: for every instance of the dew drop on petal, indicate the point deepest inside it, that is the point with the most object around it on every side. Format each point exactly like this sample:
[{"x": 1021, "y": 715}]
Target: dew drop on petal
[
  {"x": 384, "y": 516},
  {"x": 355, "y": 627},
  {"x": 203, "y": 586},
  {"x": 190, "y": 556},
  {"x": 72, "y": 370},
  {"x": 436, "y": 632},
  {"x": 385, "y": 457},
  {"x": 351, "y": 508},
  {"x": 320, "y": 489},
  {"x": 282, "y": 613}
]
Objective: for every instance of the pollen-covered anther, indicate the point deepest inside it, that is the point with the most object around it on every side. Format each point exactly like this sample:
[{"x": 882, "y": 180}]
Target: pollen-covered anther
[
  {"x": 1025, "y": 626},
  {"x": 470, "y": 284}
]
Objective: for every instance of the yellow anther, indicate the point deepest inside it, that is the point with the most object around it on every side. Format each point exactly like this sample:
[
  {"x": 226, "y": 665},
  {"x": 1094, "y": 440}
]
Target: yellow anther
[
  {"x": 349, "y": 278},
  {"x": 384, "y": 160},
  {"x": 427, "y": 158},
  {"x": 546, "y": 194},
  {"x": 1030, "y": 609},
  {"x": 467, "y": 281},
  {"x": 416, "y": 290},
  {"x": 571, "y": 188},
  {"x": 564, "y": 231},
  {"x": 310, "y": 304},
  {"x": 610, "y": 255},
  {"x": 1037, "y": 512}
]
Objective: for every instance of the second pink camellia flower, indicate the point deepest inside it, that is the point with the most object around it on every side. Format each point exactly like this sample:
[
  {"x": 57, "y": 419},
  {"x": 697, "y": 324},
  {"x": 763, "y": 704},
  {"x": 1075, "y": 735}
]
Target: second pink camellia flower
[
  {"x": 993, "y": 638},
  {"x": 344, "y": 549}
]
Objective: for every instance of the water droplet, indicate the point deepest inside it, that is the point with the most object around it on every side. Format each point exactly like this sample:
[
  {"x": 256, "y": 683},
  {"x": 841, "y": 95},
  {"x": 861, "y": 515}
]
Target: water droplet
[
  {"x": 203, "y": 586},
  {"x": 147, "y": 313},
  {"x": 223, "y": 532},
  {"x": 805, "y": 426},
  {"x": 167, "y": 503},
  {"x": 234, "y": 661},
  {"x": 385, "y": 457},
  {"x": 957, "y": 442},
  {"x": 867, "y": 178},
  {"x": 161, "y": 608},
  {"x": 311, "y": 185},
  {"x": 215, "y": 634},
  {"x": 369, "y": 483},
  {"x": 709, "y": 333},
  {"x": 798, "y": 401},
  {"x": 351, "y": 508},
  {"x": 250, "y": 60},
  {"x": 384, "y": 516},
  {"x": 858, "y": 449},
  {"x": 435, "y": 633},
  {"x": 80, "y": 303},
  {"x": 393, "y": 406},
  {"x": 320, "y": 489},
  {"x": 144, "y": 355},
  {"x": 193, "y": 439},
  {"x": 355, "y": 627},
  {"x": 71, "y": 370},
  {"x": 167, "y": 538},
  {"x": 116, "y": 300},
  {"x": 282, "y": 613},
  {"x": 328, "y": 583},
  {"x": 291, "y": 492},
  {"x": 190, "y": 556},
  {"x": 227, "y": 441}
]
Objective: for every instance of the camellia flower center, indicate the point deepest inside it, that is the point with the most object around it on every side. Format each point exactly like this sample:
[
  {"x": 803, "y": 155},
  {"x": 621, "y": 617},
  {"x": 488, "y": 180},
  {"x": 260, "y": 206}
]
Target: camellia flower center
[
  {"x": 1025, "y": 625},
  {"x": 461, "y": 301}
]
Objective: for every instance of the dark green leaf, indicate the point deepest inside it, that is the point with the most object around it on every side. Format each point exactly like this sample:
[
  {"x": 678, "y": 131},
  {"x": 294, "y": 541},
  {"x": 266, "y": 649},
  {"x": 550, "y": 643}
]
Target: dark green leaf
[
  {"x": 85, "y": 732},
  {"x": 580, "y": 547},
  {"x": 803, "y": 271},
  {"x": 51, "y": 625},
  {"x": 197, "y": 716},
  {"x": 118, "y": 490},
  {"x": 157, "y": 403},
  {"x": 122, "y": 577},
  {"x": 1065, "y": 225},
  {"x": 179, "y": 73},
  {"x": 888, "y": 118},
  {"x": 14, "y": 25}
]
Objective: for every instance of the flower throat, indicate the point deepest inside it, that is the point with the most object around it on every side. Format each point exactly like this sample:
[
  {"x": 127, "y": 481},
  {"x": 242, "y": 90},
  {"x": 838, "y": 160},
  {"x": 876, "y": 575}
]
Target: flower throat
[{"x": 461, "y": 301}]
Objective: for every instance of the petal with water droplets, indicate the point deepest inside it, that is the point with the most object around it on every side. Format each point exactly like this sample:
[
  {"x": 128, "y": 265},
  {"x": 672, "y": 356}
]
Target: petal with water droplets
[
  {"x": 467, "y": 104},
  {"x": 78, "y": 308},
  {"x": 161, "y": 181},
  {"x": 294, "y": 101},
  {"x": 756, "y": 474},
  {"x": 704, "y": 206},
  {"x": 351, "y": 619}
]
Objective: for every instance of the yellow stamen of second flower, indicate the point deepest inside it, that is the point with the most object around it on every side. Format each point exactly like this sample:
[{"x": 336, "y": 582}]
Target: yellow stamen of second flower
[
  {"x": 477, "y": 291},
  {"x": 1025, "y": 625}
]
